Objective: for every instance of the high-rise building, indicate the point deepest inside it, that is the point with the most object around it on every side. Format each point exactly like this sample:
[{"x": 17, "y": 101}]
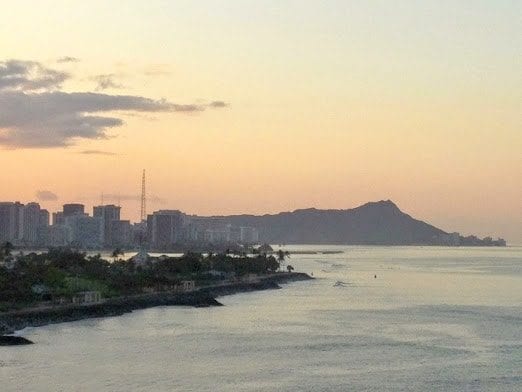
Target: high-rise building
[
  {"x": 11, "y": 222},
  {"x": 6, "y": 222},
  {"x": 164, "y": 228},
  {"x": 73, "y": 209},
  {"x": 139, "y": 233},
  {"x": 57, "y": 235},
  {"x": 108, "y": 214},
  {"x": 121, "y": 234},
  {"x": 44, "y": 218},
  {"x": 43, "y": 228},
  {"x": 58, "y": 218},
  {"x": 23, "y": 224},
  {"x": 191, "y": 232},
  {"x": 31, "y": 224},
  {"x": 84, "y": 231}
]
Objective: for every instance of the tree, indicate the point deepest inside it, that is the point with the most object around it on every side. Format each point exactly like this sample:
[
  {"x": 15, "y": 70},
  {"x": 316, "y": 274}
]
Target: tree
[
  {"x": 117, "y": 252},
  {"x": 289, "y": 268},
  {"x": 272, "y": 265},
  {"x": 281, "y": 256},
  {"x": 6, "y": 249}
]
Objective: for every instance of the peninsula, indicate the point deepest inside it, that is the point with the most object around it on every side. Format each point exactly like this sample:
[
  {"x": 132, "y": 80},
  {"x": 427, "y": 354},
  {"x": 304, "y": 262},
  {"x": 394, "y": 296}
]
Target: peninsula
[{"x": 66, "y": 285}]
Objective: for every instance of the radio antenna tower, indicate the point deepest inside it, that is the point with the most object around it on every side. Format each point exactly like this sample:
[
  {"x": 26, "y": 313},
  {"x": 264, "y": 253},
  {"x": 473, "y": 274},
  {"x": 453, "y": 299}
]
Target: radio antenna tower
[{"x": 143, "y": 213}]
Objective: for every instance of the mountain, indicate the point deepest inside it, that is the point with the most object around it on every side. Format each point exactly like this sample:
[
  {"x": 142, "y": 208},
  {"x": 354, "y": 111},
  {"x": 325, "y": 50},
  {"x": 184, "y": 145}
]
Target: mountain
[{"x": 375, "y": 223}]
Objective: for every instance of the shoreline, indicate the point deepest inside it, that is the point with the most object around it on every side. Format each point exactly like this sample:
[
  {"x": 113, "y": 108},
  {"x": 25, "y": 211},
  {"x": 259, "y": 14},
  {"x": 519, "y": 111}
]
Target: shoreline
[{"x": 13, "y": 321}]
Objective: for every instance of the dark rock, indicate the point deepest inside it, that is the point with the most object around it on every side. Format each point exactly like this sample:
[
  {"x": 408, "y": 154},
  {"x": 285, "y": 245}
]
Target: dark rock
[
  {"x": 208, "y": 303},
  {"x": 13, "y": 341}
]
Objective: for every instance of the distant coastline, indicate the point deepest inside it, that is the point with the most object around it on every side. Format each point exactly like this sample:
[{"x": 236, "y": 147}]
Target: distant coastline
[{"x": 373, "y": 223}]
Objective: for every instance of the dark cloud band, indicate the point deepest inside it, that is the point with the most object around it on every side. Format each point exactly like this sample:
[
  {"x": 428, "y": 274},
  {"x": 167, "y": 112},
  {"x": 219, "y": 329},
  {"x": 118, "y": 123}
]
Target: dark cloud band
[
  {"x": 29, "y": 76},
  {"x": 46, "y": 196},
  {"x": 35, "y": 113}
]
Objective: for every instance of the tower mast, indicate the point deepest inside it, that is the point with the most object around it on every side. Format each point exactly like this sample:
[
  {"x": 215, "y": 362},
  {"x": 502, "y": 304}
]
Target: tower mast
[{"x": 143, "y": 212}]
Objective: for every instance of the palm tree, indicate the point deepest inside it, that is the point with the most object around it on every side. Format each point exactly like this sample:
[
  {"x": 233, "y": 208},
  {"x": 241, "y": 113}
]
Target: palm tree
[
  {"x": 117, "y": 252},
  {"x": 281, "y": 256}
]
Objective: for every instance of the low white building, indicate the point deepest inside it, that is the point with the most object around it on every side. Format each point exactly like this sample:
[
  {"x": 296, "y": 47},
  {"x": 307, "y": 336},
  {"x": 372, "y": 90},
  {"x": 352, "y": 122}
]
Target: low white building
[
  {"x": 87, "y": 298},
  {"x": 188, "y": 285}
]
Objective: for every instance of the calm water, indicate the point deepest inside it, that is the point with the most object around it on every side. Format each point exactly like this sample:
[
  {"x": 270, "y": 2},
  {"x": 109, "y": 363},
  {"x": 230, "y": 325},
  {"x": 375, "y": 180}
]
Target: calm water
[{"x": 436, "y": 319}]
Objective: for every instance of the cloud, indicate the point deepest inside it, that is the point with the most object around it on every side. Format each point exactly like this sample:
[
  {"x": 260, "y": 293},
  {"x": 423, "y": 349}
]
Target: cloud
[
  {"x": 96, "y": 152},
  {"x": 46, "y": 196},
  {"x": 35, "y": 113},
  {"x": 67, "y": 59},
  {"x": 54, "y": 119},
  {"x": 17, "y": 75},
  {"x": 105, "y": 82},
  {"x": 218, "y": 104}
]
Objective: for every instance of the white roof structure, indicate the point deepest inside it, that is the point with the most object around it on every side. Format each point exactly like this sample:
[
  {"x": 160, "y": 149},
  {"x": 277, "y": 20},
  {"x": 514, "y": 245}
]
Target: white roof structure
[{"x": 141, "y": 257}]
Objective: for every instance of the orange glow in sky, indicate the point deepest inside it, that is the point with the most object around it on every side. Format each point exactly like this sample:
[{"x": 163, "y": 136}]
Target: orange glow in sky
[{"x": 325, "y": 104}]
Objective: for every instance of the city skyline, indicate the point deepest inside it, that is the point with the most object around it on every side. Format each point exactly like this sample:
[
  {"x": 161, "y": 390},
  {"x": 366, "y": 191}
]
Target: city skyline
[
  {"x": 31, "y": 227},
  {"x": 374, "y": 223},
  {"x": 130, "y": 206},
  {"x": 326, "y": 106}
]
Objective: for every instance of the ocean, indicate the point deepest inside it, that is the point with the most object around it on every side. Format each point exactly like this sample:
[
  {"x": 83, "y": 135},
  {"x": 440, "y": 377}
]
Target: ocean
[{"x": 374, "y": 319}]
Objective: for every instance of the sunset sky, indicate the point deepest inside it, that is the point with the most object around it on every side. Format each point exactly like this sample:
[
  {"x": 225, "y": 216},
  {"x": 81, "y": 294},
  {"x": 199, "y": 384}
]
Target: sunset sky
[{"x": 266, "y": 106}]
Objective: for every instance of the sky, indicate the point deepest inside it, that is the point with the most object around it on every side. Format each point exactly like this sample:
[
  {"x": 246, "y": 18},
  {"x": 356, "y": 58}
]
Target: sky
[{"x": 261, "y": 106}]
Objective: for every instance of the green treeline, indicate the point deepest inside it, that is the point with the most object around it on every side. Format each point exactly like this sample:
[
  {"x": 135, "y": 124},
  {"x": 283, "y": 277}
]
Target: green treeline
[{"x": 62, "y": 272}]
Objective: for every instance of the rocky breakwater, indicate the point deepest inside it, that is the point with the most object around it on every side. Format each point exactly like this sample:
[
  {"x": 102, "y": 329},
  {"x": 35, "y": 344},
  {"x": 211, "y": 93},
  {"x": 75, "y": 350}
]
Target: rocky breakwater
[
  {"x": 14, "y": 341},
  {"x": 34, "y": 317},
  {"x": 266, "y": 282},
  {"x": 202, "y": 297}
]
